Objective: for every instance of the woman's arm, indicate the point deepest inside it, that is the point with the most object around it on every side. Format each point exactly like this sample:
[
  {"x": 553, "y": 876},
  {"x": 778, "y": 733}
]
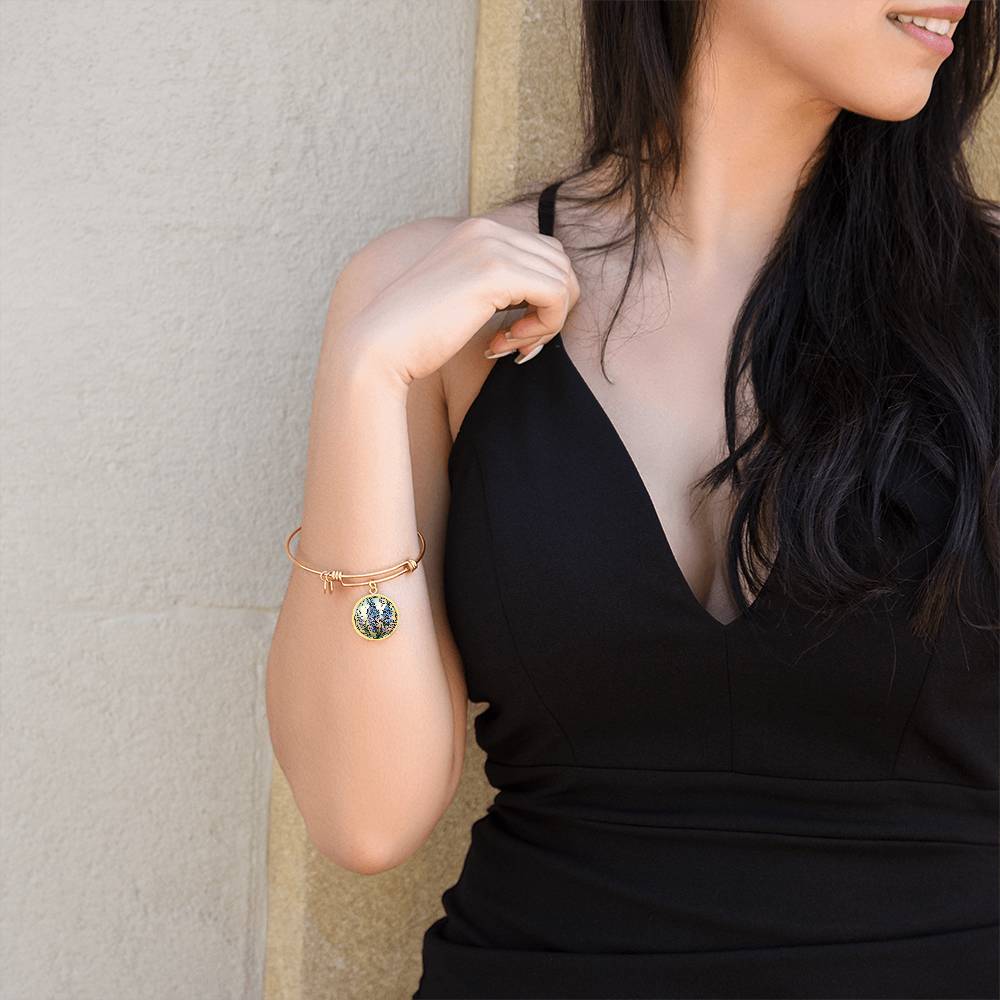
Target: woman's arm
[{"x": 371, "y": 735}]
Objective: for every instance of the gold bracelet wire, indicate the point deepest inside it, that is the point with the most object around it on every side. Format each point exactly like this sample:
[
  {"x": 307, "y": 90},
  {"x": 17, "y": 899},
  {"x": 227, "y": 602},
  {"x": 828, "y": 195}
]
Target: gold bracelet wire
[{"x": 331, "y": 576}]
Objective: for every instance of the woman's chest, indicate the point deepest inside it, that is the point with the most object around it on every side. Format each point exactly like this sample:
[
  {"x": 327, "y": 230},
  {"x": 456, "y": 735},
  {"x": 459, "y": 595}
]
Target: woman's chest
[{"x": 576, "y": 624}]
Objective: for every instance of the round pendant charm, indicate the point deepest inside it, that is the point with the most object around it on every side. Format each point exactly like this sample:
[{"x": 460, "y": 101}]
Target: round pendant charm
[{"x": 375, "y": 616}]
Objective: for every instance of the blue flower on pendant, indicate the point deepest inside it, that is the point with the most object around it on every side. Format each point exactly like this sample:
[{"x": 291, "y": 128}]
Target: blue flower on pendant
[{"x": 375, "y": 617}]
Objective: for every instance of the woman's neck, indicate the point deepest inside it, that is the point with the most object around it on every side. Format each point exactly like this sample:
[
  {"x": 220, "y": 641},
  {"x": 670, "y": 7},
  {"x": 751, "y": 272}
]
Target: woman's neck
[{"x": 750, "y": 127}]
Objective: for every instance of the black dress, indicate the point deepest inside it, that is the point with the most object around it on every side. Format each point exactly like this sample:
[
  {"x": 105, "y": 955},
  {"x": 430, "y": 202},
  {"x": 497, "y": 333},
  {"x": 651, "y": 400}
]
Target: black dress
[{"x": 765, "y": 808}]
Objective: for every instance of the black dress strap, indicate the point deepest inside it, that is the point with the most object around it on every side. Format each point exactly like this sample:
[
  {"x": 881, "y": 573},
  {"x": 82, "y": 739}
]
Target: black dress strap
[{"x": 547, "y": 209}]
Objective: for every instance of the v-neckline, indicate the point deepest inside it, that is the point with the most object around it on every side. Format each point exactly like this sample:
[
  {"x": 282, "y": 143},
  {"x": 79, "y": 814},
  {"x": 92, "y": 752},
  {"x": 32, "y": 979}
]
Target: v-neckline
[{"x": 649, "y": 508}]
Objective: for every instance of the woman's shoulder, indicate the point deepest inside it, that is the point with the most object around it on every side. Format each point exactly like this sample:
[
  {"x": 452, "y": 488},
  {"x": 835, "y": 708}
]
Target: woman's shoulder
[
  {"x": 402, "y": 244},
  {"x": 383, "y": 258},
  {"x": 377, "y": 263}
]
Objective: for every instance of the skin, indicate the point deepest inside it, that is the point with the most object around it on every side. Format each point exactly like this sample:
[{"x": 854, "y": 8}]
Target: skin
[{"x": 371, "y": 735}]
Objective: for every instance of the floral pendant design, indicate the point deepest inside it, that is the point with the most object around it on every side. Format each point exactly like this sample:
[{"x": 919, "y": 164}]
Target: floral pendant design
[{"x": 375, "y": 616}]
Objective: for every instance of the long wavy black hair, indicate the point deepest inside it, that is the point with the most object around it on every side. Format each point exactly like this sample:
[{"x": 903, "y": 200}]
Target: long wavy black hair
[{"x": 872, "y": 324}]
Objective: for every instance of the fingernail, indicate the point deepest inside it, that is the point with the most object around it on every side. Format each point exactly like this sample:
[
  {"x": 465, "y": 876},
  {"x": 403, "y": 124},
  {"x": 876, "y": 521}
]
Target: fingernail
[
  {"x": 529, "y": 355},
  {"x": 489, "y": 354}
]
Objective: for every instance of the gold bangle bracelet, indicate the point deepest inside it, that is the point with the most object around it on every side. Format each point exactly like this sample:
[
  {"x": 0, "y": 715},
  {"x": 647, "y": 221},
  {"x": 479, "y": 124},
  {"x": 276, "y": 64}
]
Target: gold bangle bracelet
[{"x": 375, "y": 616}]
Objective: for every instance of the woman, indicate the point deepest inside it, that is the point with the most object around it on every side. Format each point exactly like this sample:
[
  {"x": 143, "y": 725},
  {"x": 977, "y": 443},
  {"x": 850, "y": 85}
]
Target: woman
[{"x": 734, "y": 612}]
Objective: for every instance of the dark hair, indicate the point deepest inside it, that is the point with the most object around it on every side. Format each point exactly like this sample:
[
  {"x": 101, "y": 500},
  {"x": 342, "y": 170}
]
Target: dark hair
[{"x": 873, "y": 322}]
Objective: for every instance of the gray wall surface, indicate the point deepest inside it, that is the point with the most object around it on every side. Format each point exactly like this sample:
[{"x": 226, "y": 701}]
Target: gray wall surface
[{"x": 180, "y": 183}]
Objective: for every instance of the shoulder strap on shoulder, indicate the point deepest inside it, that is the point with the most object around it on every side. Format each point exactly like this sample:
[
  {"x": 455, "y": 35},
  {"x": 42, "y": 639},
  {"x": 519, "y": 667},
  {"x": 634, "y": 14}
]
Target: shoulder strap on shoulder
[{"x": 547, "y": 209}]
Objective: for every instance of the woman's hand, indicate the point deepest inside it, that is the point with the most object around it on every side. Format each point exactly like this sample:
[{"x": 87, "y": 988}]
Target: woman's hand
[{"x": 427, "y": 314}]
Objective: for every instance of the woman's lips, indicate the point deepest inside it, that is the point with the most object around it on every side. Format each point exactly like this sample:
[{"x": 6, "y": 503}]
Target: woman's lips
[{"x": 941, "y": 44}]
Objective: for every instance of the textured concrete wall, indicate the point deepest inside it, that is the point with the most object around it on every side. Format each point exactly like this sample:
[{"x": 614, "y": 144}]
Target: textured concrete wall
[
  {"x": 984, "y": 151},
  {"x": 526, "y": 118},
  {"x": 181, "y": 182}
]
